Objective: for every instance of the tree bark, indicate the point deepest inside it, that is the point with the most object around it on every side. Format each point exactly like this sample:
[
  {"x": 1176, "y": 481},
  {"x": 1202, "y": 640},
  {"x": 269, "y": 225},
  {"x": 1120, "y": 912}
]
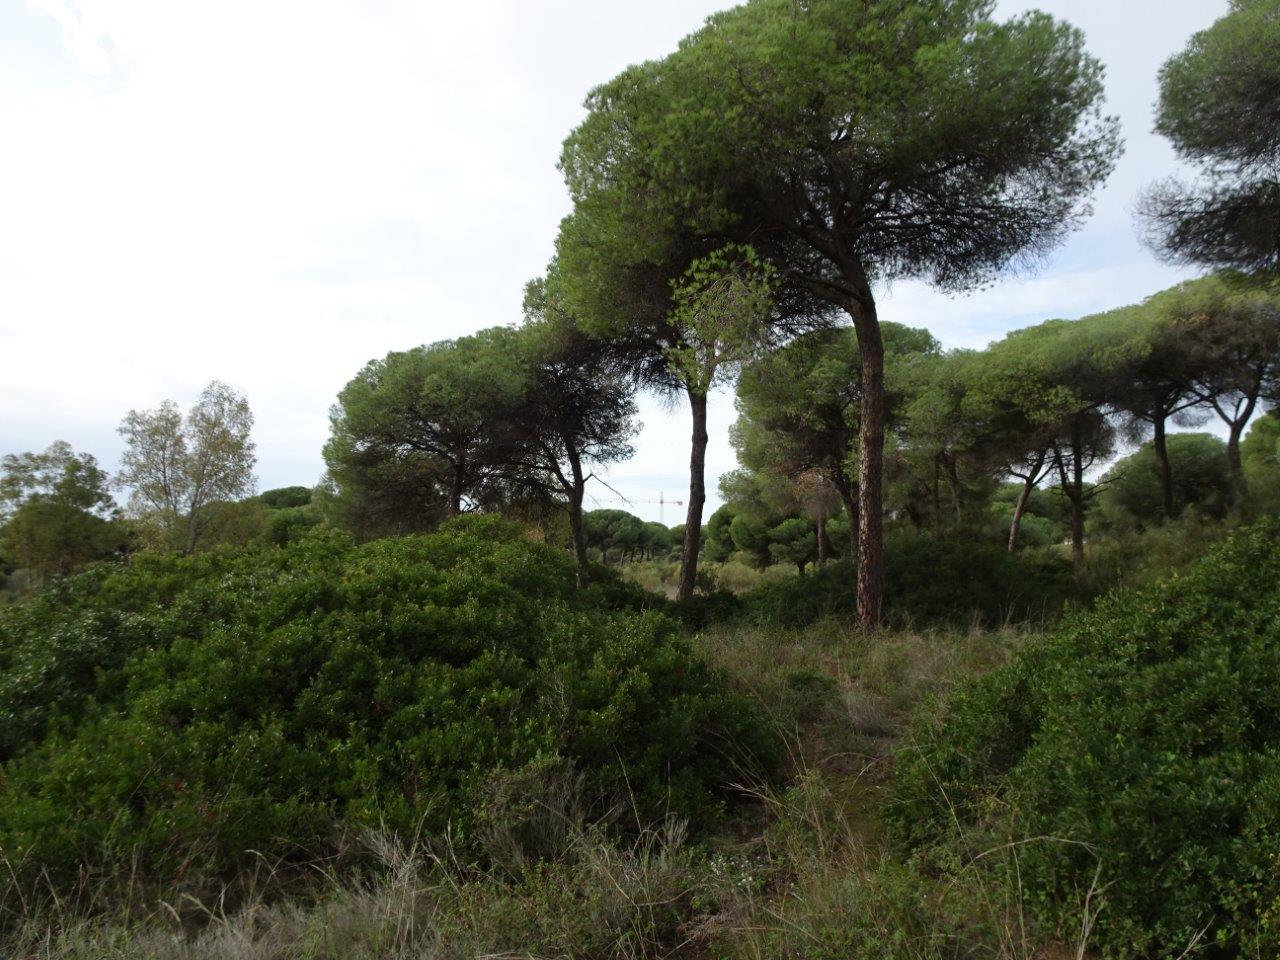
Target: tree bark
[
  {"x": 1239, "y": 485},
  {"x": 576, "y": 494},
  {"x": 1029, "y": 484},
  {"x": 871, "y": 426},
  {"x": 850, "y": 501},
  {"x": 579, "y": 540},
  {"x": 1077, "y": 504},
  {"x": 824, "y": 542},
  {"x": 697, "y": 496},
  {"x": 1163, "y": 468},
  {"x": 953, "y": 482},
  {"x": 1236, "y": 421}
]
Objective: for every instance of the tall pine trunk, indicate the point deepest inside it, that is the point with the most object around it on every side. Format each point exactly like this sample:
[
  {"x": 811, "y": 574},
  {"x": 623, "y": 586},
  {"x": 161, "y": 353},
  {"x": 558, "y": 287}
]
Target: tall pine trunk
[
  {"x": 1164, "y": 468},
  {"x": 576, "y": 496},
  {"x": 871, "y": 427},
  {"x": 1077, "y": 503},
  {"x": 1239, "y": 485},
  {"x": 697, "y": 496}
]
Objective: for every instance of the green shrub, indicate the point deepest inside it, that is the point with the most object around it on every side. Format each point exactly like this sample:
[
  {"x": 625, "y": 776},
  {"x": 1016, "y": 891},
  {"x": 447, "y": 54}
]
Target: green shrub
[
  {"x": 288, "y": 524},
  {"x": 1131, "y": 494},
  {"x": 1145, "y": 739},
  {"x": 927, "y": 581},
  {"x": 184, "y": 711},
  {"x": 286, "y": 498}
]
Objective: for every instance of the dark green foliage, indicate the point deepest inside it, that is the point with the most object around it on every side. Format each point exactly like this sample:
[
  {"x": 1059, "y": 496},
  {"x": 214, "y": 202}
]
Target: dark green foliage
[
  {"x": 288, "y": 524},
  {"x": 707, "y": 608},
  {"x": 793, "y": 541},
  {"x": 233, "y": 523},
  {"x": 750, "y": 534},
  {"x": 1220, "y": 108},
  {"x": 422, "y": 432},
  {"x": 1201, "y": 480},
  {"x": 717, "y": 542},
  {"x": 927, "y": 581},
  {"x": 56, "y": 512},
  {"x": 619, "y": 535},
  {"x": 1260, "y": 453},
  {"x": 187, "y": 710},
  {"x": 1042, "y": 524},
  {"x": 1145, "y": 737},
  {"x": 286, "y": 497}
]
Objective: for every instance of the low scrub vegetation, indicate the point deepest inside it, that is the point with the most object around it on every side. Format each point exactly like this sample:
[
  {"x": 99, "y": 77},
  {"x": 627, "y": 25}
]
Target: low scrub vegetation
[
  {"x": 592, "y": 781},
  {"x": 930, "y": 581},
  {"x": 1136, "y": 753},
  {"x": 183, "y": 716}
]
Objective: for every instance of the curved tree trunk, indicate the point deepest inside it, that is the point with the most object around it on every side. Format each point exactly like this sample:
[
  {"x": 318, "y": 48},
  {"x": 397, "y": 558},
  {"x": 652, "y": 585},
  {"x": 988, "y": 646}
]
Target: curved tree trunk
[
  {"x": 871, "y": 427},
  {"x": 1236, "y": 420},
  {"x": 1024, "y": 498},
  {"x": 1164, "y": 468},
  {"x": 697, "y": 496}
]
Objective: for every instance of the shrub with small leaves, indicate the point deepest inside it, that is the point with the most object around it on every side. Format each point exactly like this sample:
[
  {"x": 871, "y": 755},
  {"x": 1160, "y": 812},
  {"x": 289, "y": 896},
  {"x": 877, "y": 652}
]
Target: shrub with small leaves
[
  {"x": 184, "y": 711},
  {"x": 1144, "y": 739}
]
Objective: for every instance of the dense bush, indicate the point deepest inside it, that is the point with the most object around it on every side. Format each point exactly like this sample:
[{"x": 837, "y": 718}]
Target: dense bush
[
  {"x": 1201, "y": 481},
  {"x": 184, "y": 711},
  {"x": 926, "y": 581},
  {"x": 1145, "y": 739}
]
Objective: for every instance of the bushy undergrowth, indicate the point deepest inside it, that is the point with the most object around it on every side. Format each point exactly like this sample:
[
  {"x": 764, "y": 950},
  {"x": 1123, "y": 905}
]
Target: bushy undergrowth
[
  {"x": 1140, "y": 746},
  {"x": 927, "y": 581},
  {"x": 1128, "y": 558},
  {"x": 809, "y": 888},
  {"x": 178, "y": 713}
]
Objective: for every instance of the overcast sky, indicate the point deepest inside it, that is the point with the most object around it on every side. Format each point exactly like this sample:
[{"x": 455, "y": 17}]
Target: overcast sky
[{"x": 273, "y": 192}]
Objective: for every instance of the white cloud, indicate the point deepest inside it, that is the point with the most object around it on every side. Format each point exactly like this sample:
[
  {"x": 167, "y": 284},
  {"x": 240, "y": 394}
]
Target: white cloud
[
  {"x": 273, "y": 193},
  {"x": 86, "y": 41}
]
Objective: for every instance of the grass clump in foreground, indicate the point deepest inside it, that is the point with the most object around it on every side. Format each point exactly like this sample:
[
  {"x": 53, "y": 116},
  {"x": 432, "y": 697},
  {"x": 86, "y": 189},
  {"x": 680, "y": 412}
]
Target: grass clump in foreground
[{"x": 808, "y": 886}]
